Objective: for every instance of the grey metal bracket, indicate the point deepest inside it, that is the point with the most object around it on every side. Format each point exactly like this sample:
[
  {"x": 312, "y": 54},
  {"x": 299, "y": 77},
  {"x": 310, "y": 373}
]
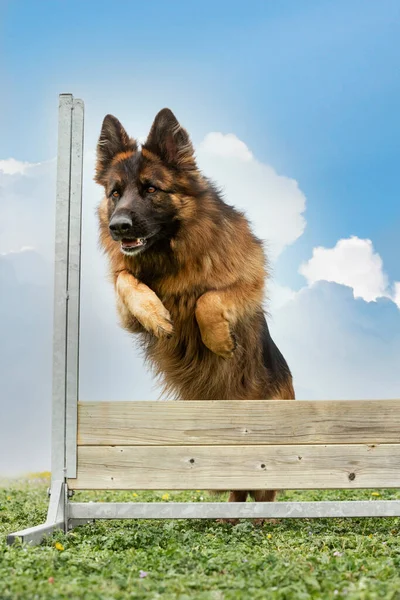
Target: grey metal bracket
[{"x": 56, "y": 515}]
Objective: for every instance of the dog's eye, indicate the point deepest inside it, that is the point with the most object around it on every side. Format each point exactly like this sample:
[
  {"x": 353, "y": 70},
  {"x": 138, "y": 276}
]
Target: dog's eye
[
  {"x": 115, "y": 195},
  {"x": 151, "y": 189}
]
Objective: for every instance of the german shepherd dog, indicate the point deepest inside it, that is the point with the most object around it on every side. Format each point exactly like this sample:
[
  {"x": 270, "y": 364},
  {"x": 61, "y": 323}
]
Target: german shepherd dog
[{"x": 188, "y": 272}]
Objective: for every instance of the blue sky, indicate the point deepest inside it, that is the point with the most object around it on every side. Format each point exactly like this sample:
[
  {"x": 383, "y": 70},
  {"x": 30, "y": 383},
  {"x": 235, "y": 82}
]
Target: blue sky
[
  {"x": 312, "y": 87},
  {"x": 310, "y": 91}
]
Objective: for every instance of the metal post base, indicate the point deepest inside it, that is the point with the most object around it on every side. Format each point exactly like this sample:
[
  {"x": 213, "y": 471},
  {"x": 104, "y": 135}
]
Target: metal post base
[
  {"x": 56, "y": 515},
  {"x": 34, "y": 535}
]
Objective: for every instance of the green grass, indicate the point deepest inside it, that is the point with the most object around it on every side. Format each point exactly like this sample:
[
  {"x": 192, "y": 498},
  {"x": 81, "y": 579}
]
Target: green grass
[{"x": 204, "y": 560}]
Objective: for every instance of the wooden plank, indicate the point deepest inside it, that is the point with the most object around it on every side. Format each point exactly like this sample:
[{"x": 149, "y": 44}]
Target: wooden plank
[
  {"x": 239, "y": 422},
  {"x": 237, "y": 467}
]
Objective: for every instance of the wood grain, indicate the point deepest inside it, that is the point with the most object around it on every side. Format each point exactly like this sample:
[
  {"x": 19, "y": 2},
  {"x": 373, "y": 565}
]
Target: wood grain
[
  {"x": 238, "y": 467},
  {"x": 240, "y": 422}
]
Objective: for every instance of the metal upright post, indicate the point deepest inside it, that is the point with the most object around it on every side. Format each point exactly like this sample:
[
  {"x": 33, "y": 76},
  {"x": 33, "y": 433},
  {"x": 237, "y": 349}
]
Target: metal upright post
[
  {"x": 60, "y": 329},
  {"x": 73, "y": 286},
  {"x": 66, "y": 316}
]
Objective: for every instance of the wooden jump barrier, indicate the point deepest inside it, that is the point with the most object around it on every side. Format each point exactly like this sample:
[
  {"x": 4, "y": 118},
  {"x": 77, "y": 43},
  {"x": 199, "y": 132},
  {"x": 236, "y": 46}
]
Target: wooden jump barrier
[{"x": 220, "y": 445}]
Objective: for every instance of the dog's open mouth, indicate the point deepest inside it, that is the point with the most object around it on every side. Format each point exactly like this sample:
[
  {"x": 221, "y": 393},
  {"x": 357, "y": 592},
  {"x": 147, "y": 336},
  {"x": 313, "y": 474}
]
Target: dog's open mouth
[{"x": 132, "y": 246}]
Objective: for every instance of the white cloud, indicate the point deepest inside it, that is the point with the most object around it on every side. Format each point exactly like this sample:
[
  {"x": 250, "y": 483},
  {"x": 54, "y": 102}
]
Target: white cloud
[
  {"x": 352, "y": 262},
  {"x": 396, "y": 295},
  {"x": 341, "y": 333},
  {"x": 225, "y": 145},
  {"x": 338, "y": 347},
  {"x": 27, "y": 207},
  {"x": 11, "y": 166},
  {"x": 273, "y": 203},
  {"x": 22, "y": 249},
  {"x": 278, "y": 295}
]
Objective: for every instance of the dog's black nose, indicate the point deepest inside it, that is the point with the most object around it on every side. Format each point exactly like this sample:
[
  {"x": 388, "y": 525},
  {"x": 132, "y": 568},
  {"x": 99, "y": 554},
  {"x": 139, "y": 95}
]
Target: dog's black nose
[{"x": 120, "y": 224}]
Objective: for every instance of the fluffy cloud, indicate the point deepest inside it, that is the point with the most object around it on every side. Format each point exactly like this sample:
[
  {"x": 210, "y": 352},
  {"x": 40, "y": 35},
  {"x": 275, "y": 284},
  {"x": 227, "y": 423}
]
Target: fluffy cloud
[
  {"x": 354, "y": 263},
  {"x": 273, "y": 203},
  {"x": 227, "y": 146},
  {"x": 27, "y": 206},
  {"x": 396, "y": 294},
  {"x": 339, "y": 347},
  {"x": 11, "y": 166}
]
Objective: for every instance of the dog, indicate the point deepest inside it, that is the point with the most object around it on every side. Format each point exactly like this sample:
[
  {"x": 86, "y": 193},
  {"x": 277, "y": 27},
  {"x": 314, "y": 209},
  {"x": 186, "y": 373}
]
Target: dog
[{"x": 188, "y": 272}]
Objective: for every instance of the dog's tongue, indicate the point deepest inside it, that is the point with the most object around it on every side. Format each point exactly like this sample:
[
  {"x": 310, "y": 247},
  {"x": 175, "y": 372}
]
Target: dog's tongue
[{"x": 131, "y": 243}]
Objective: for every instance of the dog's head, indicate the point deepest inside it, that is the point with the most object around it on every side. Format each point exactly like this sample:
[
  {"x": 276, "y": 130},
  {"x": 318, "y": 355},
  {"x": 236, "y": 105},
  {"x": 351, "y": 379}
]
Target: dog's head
[{"x": 148, "y": 192}]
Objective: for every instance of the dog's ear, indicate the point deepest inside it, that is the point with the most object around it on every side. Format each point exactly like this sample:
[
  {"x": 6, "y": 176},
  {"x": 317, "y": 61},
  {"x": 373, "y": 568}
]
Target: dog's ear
[
  {"x": 112, "y": 141},
  {"x": 171, "y": 142}
]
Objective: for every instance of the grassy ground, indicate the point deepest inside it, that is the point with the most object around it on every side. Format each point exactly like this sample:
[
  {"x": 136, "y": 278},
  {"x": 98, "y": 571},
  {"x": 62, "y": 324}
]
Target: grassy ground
[{"x": 204, "y": 560}]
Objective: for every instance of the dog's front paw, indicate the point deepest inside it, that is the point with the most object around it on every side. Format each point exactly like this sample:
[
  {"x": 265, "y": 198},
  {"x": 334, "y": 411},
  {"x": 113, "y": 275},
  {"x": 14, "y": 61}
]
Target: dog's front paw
[
  {"x": 143, "y": 304},
  {"x": 214, "y": 326},
  {"x": 156, "y": 318},
  {"x": 218, "y": 339}
]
